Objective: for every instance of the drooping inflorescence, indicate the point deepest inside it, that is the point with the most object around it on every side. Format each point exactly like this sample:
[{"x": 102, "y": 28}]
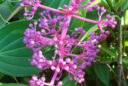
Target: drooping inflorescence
[{"x": 52, "y": 31}]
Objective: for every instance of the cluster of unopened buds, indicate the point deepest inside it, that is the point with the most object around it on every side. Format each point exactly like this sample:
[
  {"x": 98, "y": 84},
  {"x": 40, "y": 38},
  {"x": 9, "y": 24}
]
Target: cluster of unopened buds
[{"x": 52, "y": 30}]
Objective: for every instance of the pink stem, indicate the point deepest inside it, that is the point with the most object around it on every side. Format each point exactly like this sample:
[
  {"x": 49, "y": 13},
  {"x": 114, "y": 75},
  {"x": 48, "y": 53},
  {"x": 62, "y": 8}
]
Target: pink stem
[
  {"x": 54, "y": 77},
  {"x": 38, "y": 1},
  {"x": 85, "y": 19},
  {"x": 64, "y": 31},
  {"x": 63, "y": 34},
  {"x": 63, "y": 12},
  {"x": 48, "y": 8},
  {"x": 73, "y": 55}
]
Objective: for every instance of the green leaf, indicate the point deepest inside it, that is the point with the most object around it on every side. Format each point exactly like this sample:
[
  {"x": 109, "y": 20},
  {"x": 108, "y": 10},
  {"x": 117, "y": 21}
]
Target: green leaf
[
  {"x": 119, "y": 3},
  {"x": 126, "y": 17},
  {"x": 110, "y": 52},
  {"x": 102, "y": 72},
  {"x": 124, "y": 5},
  {"x": 48, "y": 51},
  {"x": 77, "y": 22},
  {"x": 1, "y": 1},
  {"x": 4, "y": 12},
  {"x": 67, "y": 82},
  {"x": 110, "y": 3},
  {"x": 51, "y": 3},
  {"x": 55, "y": 3},
  {"x": 64, "y": 2},
  {"x": 14, "y": 56},
  {"x": 13, "y": 84},
  {"x": 6, "y": 9},
  {"x": 1, "y": 75},
  {"x": 93, "y": 16},
  {"x": 105, "y": 4},
  {"x": 88, "y": 27},
  {"x": 92, "y": 29},
  {"x": 125, "y": 33},
  {"x": 125, "y": 63}
]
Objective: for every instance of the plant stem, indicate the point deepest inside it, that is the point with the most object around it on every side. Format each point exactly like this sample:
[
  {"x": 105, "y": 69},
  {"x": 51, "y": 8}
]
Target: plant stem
[
  {"x": 85, "y": 19},
  {"x": 54, "y": 77},
  {"x": 14, "y": 13},
  {"x": 119, "y": 52},
  {"x": 123, "y": 51},
  {"x": 38, "y": 1},
  {"x": 63, "y": 35},
  {"x": 124, "y": 80},
  {"x": 65, "y": 28},
  {"x": 64, "y": 12}
]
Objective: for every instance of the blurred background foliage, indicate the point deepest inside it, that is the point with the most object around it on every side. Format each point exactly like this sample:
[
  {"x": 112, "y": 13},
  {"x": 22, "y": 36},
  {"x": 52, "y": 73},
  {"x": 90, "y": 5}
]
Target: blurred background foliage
[{"x": 15, "y": 69}]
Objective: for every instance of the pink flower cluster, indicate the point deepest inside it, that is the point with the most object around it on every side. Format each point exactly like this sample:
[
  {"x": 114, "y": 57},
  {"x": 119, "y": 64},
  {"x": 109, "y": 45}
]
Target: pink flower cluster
[{"x": 52, "y": 30}]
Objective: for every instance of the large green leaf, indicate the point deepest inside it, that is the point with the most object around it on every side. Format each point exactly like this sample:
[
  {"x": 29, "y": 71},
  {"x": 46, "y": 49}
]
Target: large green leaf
[
  {"x": 12, "y": 84},
  {"x": 102, "y": 73},
  {"x": 14, "y": 56}
]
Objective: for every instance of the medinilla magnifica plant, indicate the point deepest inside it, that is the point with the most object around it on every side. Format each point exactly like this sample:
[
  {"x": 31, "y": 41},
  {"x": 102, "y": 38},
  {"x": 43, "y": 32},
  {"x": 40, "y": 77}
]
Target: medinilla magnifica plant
[{"x": 51, "y": 30}]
